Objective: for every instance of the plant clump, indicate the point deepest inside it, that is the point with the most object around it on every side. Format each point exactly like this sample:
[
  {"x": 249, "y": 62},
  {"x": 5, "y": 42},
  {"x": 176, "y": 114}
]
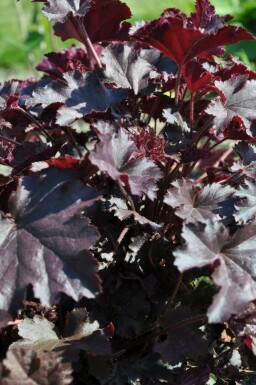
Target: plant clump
[{"x": 128, "y": 215}]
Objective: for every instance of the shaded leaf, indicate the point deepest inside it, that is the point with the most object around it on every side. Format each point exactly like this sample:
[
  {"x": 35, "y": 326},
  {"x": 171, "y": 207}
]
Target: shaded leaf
[
  {"x": 246, "y": 151},
  {"x": 9, "y": 94},
  {"x": 194, "y": 376},
  {"x": 79, "y": 94},
  {"x": 46, "y": 221},
  {"x": 78, "y": 322},
  {"x": 184, "y": 342},
  {"x": 27, "y": 367},
  {"x": 244, "y": 325},
  {"x": 127, "y": 306},
  {"x": 130, "y": 369},
  {"x": 100, "y": 367},
  {"x": 56, "y": 63},
  {"x": 30, "y": 152},
  {"x": 233, "y": 260}
]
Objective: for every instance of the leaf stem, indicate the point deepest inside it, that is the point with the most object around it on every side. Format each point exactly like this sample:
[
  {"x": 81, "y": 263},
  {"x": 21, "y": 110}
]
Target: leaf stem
[
  {"x": 188, "y": 169},
  {"x": 185, "y": 322},
  {"x": 169, "y": 179},
  {"x": 163, "y": 189},
  {"x": 159, "y": 332},
  {"x": 234, "y": 178},
  {"x": 33, "y": 120},
  {"x": 207, "y": 142},
  {"x": 10, "y": 140},
  {"x": 74, "y": 142},
  {"x": 125, "y": 194},
  {"x": 216, "y": 144},
  {"x": 88, "y": 44},
  {"x": 191, "y": 114},
  {"x": 155, "y": 104},
  {"x": 201, "y": 132},
  {"x": 174, "y": 292},
  {"x": 177, "y": 86},
  {"x": 221, "y": 159},
  {"x": 123, "y": 234}
]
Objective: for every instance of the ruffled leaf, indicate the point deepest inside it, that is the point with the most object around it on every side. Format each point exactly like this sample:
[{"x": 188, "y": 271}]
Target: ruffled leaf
[
  {"x": 27, "y": 367},
  {"x": 46, "y": 220},
  {"x": 116, "y": 155},
  {"x": 233, "y": 259},
  {"x": 195, "y": 204},
  {"x": 237, "y": 102}
]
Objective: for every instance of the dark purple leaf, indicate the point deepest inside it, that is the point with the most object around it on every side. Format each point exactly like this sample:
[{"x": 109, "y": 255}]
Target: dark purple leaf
[
  {"x": 27, "y": 367},
  {"x": 149, "y": 368},
  {"x": 9, "y": 94},
  {"x": 233, "y": 259},
  {"x": 162, "y": 63},
  {"x": 104, "y": 22},
  {"x": 236, "y": 102},
  {"x": 193, "y": 203},
  {"x": 246, "y": 167},
  {"x": 184, "y": 342},
  {"x": 116, "y": 155},
  {"x": 30, "y": 152},
  {"x": 244, "y": 325},
  {"x": 183, "y": 38},
  {"x": 196, "y": 77},
  {"x": 57, "y": 63},
  {"x": 149, "y": 144},
  {"x": 45, "y": 219},
  {"x": 127, "y": 305},
  {"x": 226, "y": 69},
  {"x": 79, "y": 95},
  {"x": 100, "y": 367},
  {"x": 193, "y": 376},
  {"x": 246, "y": 151},
  {"x": 191, "y": 154},
  {"x": 205, "y": 17}
]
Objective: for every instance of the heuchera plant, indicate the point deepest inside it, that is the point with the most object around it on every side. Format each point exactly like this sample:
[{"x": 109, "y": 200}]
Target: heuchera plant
[{"x": 128, "y": 204}]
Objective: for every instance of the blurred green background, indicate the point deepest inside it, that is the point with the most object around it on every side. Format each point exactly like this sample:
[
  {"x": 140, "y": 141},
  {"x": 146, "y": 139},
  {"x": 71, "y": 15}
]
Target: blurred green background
[{"x": 25, "y": 34}]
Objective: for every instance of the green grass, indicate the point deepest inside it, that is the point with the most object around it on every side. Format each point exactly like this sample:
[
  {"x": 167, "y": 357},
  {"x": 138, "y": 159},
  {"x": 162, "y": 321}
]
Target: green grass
[
  {"x": 25, "y": 34},
  {"x": 151, "y": 9}
]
